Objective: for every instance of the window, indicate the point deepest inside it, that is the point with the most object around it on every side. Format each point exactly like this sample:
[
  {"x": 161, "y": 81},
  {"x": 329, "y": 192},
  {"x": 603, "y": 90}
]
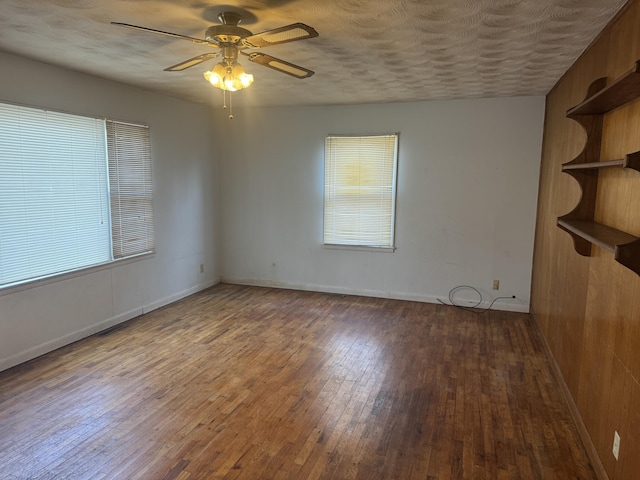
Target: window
[
  {"x": 131, "y": 199},
  {"x": 74, "y": 192},
  {"x": 360, "y": 190}
]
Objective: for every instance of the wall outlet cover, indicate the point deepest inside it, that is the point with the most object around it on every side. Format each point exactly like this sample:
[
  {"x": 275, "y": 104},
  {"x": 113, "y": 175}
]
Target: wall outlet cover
[{"x": 616, "y": 445}]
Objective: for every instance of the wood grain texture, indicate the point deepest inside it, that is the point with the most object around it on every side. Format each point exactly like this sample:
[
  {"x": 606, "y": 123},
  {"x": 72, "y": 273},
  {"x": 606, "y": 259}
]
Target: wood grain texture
[
  {"x": 589, "y": 307},
  {"x": 254, "y": 383}
]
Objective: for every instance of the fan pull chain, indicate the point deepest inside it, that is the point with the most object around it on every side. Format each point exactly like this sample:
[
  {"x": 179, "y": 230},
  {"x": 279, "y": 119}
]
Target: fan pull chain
[{"x": 224, "y": 103}]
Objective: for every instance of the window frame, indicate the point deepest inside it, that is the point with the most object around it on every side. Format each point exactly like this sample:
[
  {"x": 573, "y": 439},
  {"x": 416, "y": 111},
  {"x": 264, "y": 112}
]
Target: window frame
[{"x": 392, "y": 198}]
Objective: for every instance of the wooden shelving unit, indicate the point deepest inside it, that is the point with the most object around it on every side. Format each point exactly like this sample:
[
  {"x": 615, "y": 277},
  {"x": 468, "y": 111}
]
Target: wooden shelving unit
[{"x": 579, "y": 223}]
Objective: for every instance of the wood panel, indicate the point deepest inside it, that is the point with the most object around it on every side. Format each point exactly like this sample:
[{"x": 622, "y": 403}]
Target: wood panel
[
  {"x": 589, "y": 308},
  {"x": 246, "y": 383}
]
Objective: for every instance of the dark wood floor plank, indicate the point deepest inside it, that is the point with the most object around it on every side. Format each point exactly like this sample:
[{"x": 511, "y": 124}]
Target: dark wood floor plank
[{"x": 238, "y": 383}]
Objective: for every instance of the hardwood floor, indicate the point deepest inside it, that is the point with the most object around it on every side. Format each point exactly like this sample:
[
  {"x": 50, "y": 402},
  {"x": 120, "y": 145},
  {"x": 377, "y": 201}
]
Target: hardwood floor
[{"x": 254, "y": 383}]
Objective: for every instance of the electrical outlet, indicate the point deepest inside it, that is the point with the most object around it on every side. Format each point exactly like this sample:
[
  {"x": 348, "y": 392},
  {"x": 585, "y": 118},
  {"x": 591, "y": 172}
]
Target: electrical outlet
[
  {"x": 202, "y": 268},
  {"x": 616, "y": 445},
  {"x": 496, "y": 284}
]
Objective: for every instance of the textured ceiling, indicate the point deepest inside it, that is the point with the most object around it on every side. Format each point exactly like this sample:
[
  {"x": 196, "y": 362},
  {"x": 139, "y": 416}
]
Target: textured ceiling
[{"x": 368, "y": 51}]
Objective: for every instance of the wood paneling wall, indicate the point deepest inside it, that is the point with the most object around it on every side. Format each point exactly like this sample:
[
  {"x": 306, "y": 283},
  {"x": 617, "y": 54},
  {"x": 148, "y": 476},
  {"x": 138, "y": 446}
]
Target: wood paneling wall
[{"x": 588, "y": 308}]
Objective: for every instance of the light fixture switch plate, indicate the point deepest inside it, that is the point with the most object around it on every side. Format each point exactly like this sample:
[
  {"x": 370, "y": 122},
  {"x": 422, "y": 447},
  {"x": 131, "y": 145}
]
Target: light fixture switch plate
[{"x": 616, "y": 445}]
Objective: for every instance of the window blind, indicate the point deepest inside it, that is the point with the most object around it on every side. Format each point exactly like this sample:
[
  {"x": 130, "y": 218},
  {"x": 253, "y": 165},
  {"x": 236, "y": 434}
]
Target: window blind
[
  {"x": 54, "y": 213},
  {"x": 360, "y": 187},
  {"x": 74, "y": 192},
  {"x": 131, "y": 189}
]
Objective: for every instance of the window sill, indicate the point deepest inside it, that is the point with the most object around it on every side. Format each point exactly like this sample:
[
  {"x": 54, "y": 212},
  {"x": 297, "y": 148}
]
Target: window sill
[
  {"x": 58, "y": 277},
  {"x": 359, "y": 248}
]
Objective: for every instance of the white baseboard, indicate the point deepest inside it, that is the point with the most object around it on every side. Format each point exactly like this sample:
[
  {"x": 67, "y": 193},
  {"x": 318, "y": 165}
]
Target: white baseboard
[
  {"x": 56, "y": 343},
  {"x": 507, "y": 305},
  {"x": 177, "y": 296}
]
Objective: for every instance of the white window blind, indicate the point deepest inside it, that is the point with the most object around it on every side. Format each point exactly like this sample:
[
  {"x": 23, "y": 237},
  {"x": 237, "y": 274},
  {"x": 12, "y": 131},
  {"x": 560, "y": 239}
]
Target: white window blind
[
  {"x": 360, "y": 190},
  {"x": 64, "y": 203},
  {"x": 54, "y": 212},
  {"x": 131, "y": 189}
]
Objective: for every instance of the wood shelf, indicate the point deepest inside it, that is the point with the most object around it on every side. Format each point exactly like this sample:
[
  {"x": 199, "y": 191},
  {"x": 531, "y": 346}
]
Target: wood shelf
[
  {"x": 596, "y": 233},
  {"x": 624, "y": 90},
  {"x": 632, "y": 161},
  {"x": 579, "y": 223},
  {"x": 593, "y": 165},
  {"x": 625, "y": 247}
]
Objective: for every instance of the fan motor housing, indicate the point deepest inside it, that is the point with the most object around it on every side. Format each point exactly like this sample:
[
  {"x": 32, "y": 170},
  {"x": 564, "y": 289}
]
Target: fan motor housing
[{"x": 226, "y": 34}]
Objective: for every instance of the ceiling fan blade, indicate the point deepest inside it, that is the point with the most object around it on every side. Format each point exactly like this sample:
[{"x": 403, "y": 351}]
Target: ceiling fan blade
[
  {"x": 289, "y": 33},
  {"x": 168, "y": 34},
  {"x": 192, "y": 62},
  {"x": 279, "y": 65}
]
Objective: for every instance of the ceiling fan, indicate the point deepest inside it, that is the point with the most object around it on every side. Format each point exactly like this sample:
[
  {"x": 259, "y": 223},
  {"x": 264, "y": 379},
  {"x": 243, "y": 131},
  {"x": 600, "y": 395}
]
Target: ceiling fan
[{"x": 229, "y": 40}]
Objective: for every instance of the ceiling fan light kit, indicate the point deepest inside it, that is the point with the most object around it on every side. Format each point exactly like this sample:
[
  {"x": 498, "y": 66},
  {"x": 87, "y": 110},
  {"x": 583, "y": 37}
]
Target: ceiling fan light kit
[
  {"x": 229, "y": 77},
  {"x": 230, "y": 40}
]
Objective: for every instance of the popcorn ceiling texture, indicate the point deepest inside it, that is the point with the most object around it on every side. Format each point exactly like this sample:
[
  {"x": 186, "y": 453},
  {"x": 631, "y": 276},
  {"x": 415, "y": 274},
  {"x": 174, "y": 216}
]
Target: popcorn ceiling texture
[{"x": 368, "y": 51}]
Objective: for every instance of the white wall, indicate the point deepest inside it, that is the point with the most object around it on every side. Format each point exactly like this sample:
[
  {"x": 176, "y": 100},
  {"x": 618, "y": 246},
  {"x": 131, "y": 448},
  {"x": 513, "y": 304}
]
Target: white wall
[
  {"x": 468, "y": 176},
  {"x": 40, "y": 318},
  {"x": 466, "y": 202}
]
